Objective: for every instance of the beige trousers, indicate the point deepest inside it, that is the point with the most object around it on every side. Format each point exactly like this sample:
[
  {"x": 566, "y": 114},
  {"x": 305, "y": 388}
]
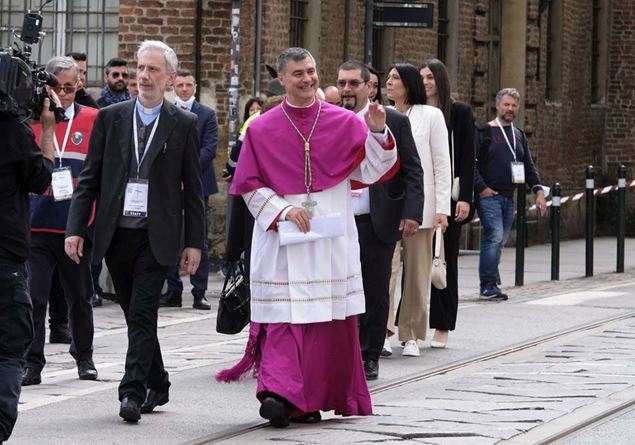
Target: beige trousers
[
  {"x": 417, "y": 263},
  {"x": 394, "y": 276}
]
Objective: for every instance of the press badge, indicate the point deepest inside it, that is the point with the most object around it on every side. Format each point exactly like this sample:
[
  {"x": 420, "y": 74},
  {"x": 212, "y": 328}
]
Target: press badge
[
  {"x": 518, "y": 173},
  {"x": 62, "y": 184},
  {"x": 136, "y": 200}
]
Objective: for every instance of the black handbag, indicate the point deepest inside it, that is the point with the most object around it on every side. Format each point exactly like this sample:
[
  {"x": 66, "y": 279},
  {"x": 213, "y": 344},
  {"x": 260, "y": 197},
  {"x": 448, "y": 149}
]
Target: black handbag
[{"x": 233, "y": 308}]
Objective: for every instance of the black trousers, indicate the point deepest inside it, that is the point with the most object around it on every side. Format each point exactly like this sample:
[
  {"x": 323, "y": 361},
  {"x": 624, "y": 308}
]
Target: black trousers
[
  {"x": 376, "y": 259},
  {"x": 58, "y": 309},
  {"x": 138, "y": 279},
  {"x": 47, "y": 253},
  {"x": 444, "y": 303},
  {"x": 16, "y": 333}
]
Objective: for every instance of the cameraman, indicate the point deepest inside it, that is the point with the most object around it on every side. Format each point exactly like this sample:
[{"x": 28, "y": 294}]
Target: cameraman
[{"x": 24, "y": 168}]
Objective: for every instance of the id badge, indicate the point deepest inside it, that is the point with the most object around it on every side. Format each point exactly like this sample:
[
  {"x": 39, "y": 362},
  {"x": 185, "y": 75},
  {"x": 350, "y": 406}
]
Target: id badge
[
  {"x": 518, "y": 173},
  {"x": 136, "y": 200},
  {"x": 62, "y": 184}
]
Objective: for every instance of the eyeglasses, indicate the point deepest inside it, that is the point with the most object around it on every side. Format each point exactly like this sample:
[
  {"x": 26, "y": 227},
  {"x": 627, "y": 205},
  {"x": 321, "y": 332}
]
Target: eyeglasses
[
  {"x": 116, "y": 74},
  {"x": 354, "y": 83},
  {"x": 68, "y": 89}
]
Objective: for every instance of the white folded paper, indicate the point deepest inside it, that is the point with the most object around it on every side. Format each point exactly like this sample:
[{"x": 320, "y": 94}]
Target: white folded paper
[{"x": 328, "y": 226}]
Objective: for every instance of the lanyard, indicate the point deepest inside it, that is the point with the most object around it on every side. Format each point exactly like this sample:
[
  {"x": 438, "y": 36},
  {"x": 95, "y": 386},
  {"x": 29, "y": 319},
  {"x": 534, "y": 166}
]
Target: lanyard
[
  {"x": 136, "y": 139},
  {"x": 59, "y": 152},
  {"x": 512, "y": 149}
]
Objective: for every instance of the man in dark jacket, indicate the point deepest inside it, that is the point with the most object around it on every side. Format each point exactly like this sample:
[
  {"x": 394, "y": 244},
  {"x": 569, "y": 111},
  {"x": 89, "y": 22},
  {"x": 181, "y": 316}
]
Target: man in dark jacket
[
  {"x": 24, "y": 169},
  {"x": 503, "y": 161},
  {"x": 185, "y": 87},
  {"x": 384, "y": 212}
]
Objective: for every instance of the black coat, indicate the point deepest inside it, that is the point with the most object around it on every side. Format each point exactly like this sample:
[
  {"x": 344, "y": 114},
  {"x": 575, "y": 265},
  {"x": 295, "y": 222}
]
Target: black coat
[
  {"x": 401, "y": 196},
  {"x": 175, "y": 167}
]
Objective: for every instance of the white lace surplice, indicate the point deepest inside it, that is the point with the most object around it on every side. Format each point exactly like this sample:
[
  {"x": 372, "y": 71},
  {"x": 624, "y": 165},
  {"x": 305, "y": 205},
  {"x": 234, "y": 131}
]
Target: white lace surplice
[{"x": 314, "y": 281}]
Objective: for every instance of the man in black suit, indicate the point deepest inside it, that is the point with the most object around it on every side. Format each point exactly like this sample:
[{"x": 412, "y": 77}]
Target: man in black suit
[
  {"x": 384, "y": 212},
  {"x": 143, "y": 163},
  {"x": 185, "y": 87}
]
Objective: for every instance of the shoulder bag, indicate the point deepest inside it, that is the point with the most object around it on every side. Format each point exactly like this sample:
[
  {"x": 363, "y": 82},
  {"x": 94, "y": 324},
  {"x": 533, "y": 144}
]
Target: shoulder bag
[
  {"x": 439, "y": 273},
  {"x": 233, "y": 308}
]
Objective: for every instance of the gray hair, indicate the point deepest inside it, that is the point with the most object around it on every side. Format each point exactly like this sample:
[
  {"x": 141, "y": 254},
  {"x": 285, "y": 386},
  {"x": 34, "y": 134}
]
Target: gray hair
[
  {"x": 513, "y": 92},
  {"x": 171, "y": 61},
  {"x": 61, "y": 63},
  {"x": 295, "y": 54}
]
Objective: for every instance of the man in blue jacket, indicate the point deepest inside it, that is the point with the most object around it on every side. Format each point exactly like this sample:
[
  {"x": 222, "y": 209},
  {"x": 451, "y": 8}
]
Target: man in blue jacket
[{"x": 185, "y": 87}]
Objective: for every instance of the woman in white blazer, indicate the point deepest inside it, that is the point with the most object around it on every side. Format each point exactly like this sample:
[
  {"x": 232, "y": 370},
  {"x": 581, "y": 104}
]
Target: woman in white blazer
[{"x": 405, "y": 88}]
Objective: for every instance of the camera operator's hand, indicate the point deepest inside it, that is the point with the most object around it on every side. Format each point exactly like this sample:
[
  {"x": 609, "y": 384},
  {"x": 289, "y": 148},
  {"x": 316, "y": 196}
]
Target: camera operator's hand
[
  {"x": 47, "y": 120},
  {"x": 74, "y": 247}
]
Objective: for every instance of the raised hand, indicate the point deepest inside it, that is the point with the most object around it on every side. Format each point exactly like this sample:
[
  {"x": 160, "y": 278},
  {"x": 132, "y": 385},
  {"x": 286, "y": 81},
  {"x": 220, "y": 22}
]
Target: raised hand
[{"x": 375, "y": 118}]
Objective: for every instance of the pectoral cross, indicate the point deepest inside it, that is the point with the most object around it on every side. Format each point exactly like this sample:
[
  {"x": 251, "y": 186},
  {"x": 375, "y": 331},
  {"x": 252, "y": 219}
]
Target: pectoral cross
[{"x": 308, "y": 204}]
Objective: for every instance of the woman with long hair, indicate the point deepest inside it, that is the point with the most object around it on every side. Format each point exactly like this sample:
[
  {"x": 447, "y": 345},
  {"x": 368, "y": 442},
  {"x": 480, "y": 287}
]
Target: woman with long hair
[
  {"x": 460, "y": 123},
  {"x": 374, "y": 86},
  {"x": 405, "y": 89}
]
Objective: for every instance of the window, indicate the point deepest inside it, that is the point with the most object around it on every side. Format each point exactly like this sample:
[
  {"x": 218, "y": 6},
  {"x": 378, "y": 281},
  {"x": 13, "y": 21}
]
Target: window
[
  {"x": 70, "y": 25},
  {"x": 297, "y": 20},
  {"x": 554, "y": 50},
  {"x": 599, "y": 53}
]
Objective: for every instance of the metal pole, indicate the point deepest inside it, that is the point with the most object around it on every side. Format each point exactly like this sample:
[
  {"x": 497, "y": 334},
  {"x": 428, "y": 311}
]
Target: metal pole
[
  {"x": 590, "y": 211},
  {"x": 258, "y": 52},
  {"x": 198, "y": 47},
  {"x": 368, "y": 35},
  {"x": 555, "y": 232},
  {"x": 521, "y": 223},
  {"x": 233, "y": 75},
  {"x": 621, "y": 217}
]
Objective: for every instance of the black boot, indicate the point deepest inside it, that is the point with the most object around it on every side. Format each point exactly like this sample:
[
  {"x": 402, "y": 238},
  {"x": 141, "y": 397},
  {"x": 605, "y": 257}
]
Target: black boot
[
  {"x": 200, "y": 302},
  {"x": 172, "y": 298},
  {"x": 59, "y": 333}
]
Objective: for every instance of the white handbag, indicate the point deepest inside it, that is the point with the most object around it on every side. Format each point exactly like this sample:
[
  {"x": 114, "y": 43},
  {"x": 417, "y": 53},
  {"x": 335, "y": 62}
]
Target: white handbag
[
  {"x": 439, "y": 268},
  {"x": 456, "y": 182}
]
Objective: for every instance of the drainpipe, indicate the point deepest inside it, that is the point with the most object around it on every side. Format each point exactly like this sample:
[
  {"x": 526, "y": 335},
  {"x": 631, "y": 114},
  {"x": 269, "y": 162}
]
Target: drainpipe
[
  {"x": 198, "y": 25},
  {"x": 258, "y": 51},
  {"x": 233, "y": 74},
  {"x": 368, "y": 35}
]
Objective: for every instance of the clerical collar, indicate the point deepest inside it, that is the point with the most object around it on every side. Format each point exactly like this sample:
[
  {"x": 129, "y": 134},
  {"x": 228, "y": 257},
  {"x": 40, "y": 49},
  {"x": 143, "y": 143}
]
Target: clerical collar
[
  {"x": 70, "y": 112},
  {"x": 300, "y": 106},
  {"x": 148, "y": 111},
  {"x": 147, "y": 114},
  {"x": 187, "y": 105}
]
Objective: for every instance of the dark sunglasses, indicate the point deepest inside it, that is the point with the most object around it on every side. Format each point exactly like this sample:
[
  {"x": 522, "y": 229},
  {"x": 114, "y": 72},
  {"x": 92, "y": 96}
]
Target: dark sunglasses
[
  {"x": 117, "y": 74},
  {"x": 68, "y": 89}
]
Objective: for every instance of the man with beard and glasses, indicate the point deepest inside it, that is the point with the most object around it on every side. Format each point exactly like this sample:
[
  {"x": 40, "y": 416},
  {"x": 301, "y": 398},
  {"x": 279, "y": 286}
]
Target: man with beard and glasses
[
  {"x": 502, "y": 161},
  {"x": 384, "y": 212},
  {"x": 116, "y": 88}
]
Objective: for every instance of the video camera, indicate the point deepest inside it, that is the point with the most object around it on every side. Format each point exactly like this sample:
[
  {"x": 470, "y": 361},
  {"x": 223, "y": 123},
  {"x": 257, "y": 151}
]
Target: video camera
[{"x": 22, "y": 90}]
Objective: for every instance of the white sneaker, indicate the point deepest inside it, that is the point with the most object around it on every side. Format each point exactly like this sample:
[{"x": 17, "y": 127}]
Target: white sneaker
[
  {"x": 387, "y": 350},
  {"x": 411, "y": 349}
]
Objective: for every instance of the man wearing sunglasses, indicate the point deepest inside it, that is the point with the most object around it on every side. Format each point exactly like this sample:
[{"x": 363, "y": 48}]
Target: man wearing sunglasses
[
  {"x": 116, "y": 88},
  {"x": 49, "y": 213}
]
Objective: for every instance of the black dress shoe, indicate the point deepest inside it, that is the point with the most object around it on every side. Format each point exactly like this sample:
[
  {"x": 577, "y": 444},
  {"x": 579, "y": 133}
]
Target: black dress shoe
[
  {"x": 275, "y": 411},
  {"x": 109, "y": 296},
  {"x": 86, "y": 369},
  {"x": 371, "y": 369},
  {"x": 312, "y": 417},
  {"x": 200, "y": 302},
  {"x": 59, "y": 333},
  {"x": 31, "y": 376},
  {"x": 129, "y": 410},
  {"x": 172, "y": 298},
  {"x": 96, "y": 300},
  {"x": 154, "y": 398}
]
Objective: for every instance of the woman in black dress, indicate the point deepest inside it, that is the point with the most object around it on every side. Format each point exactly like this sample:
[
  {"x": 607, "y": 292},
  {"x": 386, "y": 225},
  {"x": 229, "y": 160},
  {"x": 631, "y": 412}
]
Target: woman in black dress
[{"x": 460, "y": 122}]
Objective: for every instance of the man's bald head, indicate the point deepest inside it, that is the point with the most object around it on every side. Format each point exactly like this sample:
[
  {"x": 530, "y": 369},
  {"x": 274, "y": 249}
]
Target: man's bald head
[{"x": 332, "y": 95}]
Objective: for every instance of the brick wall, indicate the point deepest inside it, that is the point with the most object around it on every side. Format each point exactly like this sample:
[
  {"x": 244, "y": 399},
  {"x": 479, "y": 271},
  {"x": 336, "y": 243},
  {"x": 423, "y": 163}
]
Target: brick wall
[{"x": 564, "y": 136}]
